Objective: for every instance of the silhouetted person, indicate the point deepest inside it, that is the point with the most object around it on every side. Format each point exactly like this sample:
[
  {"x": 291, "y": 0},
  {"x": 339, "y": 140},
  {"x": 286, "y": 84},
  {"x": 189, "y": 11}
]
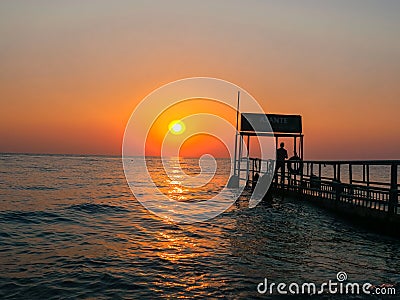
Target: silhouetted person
[
  {"x": 281, "y": 155},
  {"x": 254, "y": 181}
]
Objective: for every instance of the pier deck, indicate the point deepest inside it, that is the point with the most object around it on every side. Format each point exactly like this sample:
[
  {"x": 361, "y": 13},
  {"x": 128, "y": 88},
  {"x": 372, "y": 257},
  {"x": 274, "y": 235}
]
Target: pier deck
[{"x": 362, "y": 190}]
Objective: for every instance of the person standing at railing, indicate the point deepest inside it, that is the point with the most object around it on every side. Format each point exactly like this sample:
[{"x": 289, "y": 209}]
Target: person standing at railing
[{"x": 281, "y": 155}]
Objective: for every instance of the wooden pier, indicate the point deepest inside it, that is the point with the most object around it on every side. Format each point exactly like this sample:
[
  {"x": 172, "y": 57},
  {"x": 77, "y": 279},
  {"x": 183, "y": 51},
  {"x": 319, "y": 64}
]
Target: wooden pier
[
  {"x": 364, "y": 191},
  {"x": 350, "y": 188}
]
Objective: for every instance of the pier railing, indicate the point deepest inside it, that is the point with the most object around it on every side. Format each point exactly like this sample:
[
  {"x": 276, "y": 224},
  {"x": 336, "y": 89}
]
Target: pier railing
[{"x": 370, "y": 184}]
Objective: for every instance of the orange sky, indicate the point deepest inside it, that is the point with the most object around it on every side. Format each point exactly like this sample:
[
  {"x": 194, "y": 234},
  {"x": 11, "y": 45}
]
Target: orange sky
[
  {"x": 189, "y": 138},
  {"x": 71, "y": 73}
]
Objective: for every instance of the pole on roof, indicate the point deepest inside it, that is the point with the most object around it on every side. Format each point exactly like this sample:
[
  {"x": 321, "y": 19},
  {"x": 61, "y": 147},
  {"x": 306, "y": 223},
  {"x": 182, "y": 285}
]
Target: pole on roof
[
  {"x": 237, "y": 130},
  {"x": 234, "y": 180}
]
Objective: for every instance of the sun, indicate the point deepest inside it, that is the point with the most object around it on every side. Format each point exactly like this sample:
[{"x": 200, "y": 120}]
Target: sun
[{"x": 176, "y": 127}]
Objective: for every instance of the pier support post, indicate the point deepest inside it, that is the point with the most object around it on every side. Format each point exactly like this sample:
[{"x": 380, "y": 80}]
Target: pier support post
[{"x": 393, "y": 193}]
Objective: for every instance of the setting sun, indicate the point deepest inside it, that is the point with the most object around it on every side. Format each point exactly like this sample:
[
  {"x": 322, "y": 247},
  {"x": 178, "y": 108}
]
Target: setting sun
[{"x": 176, "y": 127}]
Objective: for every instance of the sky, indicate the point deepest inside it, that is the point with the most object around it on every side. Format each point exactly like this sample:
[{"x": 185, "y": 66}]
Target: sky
[{"x": 72, "y": 72}]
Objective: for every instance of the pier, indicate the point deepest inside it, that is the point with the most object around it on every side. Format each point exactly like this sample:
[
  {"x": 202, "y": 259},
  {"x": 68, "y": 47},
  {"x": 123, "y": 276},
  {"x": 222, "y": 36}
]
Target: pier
[
  {"x": 331, "y": 184},
  {"x": 365, "y": 192}
]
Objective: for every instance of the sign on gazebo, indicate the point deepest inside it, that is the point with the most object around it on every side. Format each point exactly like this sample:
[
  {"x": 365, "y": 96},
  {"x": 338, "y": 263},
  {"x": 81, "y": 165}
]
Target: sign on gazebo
[{"x": 278, "y": 123}]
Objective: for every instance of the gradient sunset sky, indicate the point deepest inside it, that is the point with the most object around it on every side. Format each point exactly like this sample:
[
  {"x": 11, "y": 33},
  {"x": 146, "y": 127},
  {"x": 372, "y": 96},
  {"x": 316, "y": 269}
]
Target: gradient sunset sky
[{"x": 72, "y": 72}]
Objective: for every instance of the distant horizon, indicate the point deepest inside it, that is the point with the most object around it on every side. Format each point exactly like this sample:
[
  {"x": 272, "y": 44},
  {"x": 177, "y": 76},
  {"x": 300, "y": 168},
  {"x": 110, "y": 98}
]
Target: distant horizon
[{"x": 186, "y": 157}]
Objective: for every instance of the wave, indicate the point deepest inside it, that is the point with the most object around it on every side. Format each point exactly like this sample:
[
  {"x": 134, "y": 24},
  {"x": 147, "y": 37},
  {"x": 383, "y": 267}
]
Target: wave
[
  {"x": 98, "y": 208},
  {"x": 35, "y": 188},
  {"x": 33, "y": 217}
]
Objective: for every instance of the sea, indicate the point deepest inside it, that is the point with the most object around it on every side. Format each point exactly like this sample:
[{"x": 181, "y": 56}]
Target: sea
[{"x": 70, "y": 228}]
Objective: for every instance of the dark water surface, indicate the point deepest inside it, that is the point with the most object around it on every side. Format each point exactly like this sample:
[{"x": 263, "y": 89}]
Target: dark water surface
[{"x": 70, "y": 228}]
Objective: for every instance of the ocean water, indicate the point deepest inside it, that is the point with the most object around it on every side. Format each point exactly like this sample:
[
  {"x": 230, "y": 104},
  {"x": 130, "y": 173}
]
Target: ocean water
[{"x": 71, "y": 228}]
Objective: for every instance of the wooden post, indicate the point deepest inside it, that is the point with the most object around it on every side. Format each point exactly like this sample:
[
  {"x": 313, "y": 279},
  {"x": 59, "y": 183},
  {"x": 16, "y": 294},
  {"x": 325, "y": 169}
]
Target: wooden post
[
  {"x": 311, "y": 174},
  {"x": 319, "y": 177},
  {"x": 240, "y": 157},
  {"x": 368, "y": 191},
  {"x": 334, "y": 172},
  {"x": 340, "y": 188},
  {"x": 350, "y": 173},
  {"x": 301, "y": 181},
  {"x": 337, "y": 184},
  {"x": 351, "y": 183},
  {"x": 253, "y": 168},
  {"x": 363, "y": 166},
  {"x": 236, "y": 133},
  {"x": 301, "y": 147},
  {"x": 393, "y": 194},
  {"x": 248, "y": 157}
]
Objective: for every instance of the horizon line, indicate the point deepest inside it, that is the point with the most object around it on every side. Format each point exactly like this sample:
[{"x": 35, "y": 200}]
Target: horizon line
[
  {"x": 96, "y": 155},
  {"x": 155, "y": 156}
]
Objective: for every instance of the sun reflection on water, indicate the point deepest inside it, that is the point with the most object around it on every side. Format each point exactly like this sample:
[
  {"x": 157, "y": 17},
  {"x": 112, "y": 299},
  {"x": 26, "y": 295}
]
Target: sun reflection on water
[{"x": 175, "y": 247}]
